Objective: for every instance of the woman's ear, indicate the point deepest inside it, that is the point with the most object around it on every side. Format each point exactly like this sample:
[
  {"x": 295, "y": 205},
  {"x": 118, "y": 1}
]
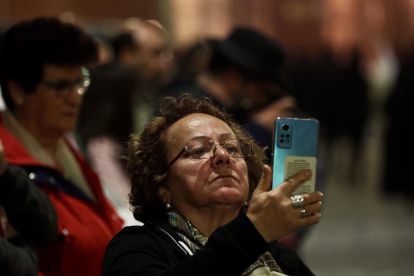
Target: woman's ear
[
  {"x": 16, "y": 93},
  {"x": 164, "y": 194}
]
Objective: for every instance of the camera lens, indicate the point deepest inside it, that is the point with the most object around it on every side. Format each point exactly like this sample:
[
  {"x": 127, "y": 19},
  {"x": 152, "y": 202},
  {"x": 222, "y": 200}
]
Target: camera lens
[
  {"x": 285, "y": 127},
  {"x": 282, "y": 141}
]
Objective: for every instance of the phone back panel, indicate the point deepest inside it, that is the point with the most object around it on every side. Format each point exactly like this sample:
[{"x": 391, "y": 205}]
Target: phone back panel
[{"x": 295, "y": 143}]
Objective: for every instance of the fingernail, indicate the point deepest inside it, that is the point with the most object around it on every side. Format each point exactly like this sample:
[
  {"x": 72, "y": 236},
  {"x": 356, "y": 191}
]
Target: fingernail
[
  {"x": 308, "y": 172},
  {"x": 291, "y": 181},
  {"x": 320, "y": 202},
  {"x": 321, "y": 194},
  {"x": 318, "y": 214}
]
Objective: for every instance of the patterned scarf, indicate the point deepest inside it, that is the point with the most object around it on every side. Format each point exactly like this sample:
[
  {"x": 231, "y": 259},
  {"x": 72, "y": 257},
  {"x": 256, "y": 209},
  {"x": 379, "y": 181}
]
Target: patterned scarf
[{"x": 265, "y": 264}]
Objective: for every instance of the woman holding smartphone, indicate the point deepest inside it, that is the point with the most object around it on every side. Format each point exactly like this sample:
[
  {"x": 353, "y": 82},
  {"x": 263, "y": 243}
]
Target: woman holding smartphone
[{"x": 200, "y": 188}]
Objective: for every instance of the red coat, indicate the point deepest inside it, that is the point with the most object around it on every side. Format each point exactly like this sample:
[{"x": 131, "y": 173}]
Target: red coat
[{"x": 85, "y": 226}]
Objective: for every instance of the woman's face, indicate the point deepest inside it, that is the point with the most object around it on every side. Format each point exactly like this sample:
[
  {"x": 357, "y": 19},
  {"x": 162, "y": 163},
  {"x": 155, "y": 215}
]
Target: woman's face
[
  {"x": 204, "y": 183},
  {"x": 47, "y": 113}
]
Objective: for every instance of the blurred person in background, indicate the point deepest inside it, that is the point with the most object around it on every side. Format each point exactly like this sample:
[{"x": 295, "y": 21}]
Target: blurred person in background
[
  {"x": 329, "y": 84},
  {"x": 150, "y": 57},
  {"x": 190, "y": 63},
  {"x": 200, "y": 186},
  {"x": 244, "y": 76},
  {"x": 118, "y": 102},
  {"x": 27, "y": 219},
  {"x": 105, "y": 122},
  {"x": 43, "y": 79},
  {"x": 398, "y": 148},
  {"x": 332, "y": 88}
]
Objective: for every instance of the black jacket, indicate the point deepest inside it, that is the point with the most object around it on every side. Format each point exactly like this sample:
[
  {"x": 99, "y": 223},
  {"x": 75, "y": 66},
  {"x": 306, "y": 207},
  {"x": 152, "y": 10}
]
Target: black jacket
[
  {"x": 32, "y": 214},
  {"x": 155, "y": 249}
]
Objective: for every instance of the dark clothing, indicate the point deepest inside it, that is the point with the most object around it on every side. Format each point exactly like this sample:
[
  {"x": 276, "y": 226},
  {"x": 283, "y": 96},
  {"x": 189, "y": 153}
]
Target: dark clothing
[
  {"x": 336, "y": 95},
  {"x": 107, "y": 108},
  {"x": 18, "y": 257},
  {"x": 28, "y": 209},
  {"x": 398, "y": 147},
  {"x": 32, "y": 214},
  {"x": 155, "y": 249}
]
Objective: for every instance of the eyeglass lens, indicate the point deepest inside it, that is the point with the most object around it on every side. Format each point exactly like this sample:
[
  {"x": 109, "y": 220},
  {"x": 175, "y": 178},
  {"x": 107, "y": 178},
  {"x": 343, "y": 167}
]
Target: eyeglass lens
[
  {"x": 64, "y": 87},
  {"x": 205, "y": 148}
]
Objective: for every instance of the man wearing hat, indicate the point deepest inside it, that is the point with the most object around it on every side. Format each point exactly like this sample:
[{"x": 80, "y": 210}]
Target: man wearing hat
[{"x": 244, "y": 76}]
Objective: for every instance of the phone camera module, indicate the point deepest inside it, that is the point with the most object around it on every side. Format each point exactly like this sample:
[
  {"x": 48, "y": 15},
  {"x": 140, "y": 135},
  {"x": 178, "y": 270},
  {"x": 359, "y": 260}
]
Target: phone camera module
[{"x": 285, "y": 127}]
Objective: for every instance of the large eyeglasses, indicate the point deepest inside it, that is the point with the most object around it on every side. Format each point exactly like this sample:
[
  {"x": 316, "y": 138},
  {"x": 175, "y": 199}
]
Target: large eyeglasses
[
  {"x": 204, "y": 148},
  {"x": 63, "y": 88}
]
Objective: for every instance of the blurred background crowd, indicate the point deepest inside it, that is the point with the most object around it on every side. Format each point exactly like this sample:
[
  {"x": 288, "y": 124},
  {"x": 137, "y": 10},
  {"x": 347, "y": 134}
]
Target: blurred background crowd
[{"x": 348, "y": 63}]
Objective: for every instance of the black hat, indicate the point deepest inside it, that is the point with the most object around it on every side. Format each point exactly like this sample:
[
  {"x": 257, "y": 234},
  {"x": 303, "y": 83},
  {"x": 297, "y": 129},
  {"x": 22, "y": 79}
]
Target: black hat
[{"x": 253, "y": 52}]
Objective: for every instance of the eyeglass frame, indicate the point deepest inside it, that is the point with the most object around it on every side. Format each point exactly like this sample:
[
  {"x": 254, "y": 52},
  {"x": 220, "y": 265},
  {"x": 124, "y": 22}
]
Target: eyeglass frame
[
  {"x": 214, "y": 151},
  {"x": 82, "y": 82}
]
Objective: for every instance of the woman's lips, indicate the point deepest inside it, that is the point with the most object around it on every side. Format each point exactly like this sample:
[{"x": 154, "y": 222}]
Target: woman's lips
[{"x": 225, "y": 176}]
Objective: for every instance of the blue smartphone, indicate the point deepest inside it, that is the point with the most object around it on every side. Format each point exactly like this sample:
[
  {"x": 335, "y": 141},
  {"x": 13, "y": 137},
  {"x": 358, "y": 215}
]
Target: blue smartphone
[{"x": 295, "y": 145}]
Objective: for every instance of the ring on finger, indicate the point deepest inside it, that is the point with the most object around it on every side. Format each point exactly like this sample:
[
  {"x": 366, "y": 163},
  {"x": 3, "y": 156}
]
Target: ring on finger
[
  {"x": 297, "y": 201},
  {"x": 303, "y": 212}
]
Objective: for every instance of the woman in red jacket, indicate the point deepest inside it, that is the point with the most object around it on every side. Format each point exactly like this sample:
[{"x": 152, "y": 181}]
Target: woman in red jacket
[{"x": 42, "y": 80}]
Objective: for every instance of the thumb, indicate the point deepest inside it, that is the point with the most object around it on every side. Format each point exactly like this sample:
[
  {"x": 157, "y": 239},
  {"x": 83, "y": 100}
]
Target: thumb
[
  {"x": 265, "y": 181},
  {"x": 290, "y": 184}
]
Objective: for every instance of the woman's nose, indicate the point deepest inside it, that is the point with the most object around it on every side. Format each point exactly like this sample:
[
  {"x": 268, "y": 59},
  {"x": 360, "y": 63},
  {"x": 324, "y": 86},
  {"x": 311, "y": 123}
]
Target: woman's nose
[{"x": 221, "y": 157}]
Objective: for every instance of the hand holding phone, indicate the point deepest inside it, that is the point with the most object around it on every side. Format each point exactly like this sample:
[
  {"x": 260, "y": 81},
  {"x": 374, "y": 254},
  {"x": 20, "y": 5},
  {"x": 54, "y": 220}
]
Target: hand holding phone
[{"x": 295, "y": 143}]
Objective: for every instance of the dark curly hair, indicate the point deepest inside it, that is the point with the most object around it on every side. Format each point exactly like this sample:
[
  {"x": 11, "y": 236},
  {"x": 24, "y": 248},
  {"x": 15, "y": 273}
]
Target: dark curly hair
[
  {"x": 146, "y": 155},
  {"x": 30, "y": 45}
]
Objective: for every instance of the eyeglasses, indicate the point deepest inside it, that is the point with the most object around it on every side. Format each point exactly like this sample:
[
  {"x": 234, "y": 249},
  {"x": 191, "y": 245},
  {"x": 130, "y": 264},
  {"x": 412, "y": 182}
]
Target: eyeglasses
[
  {"x": 204, "y": 148},
  {"x": 63, "y": 88}
]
